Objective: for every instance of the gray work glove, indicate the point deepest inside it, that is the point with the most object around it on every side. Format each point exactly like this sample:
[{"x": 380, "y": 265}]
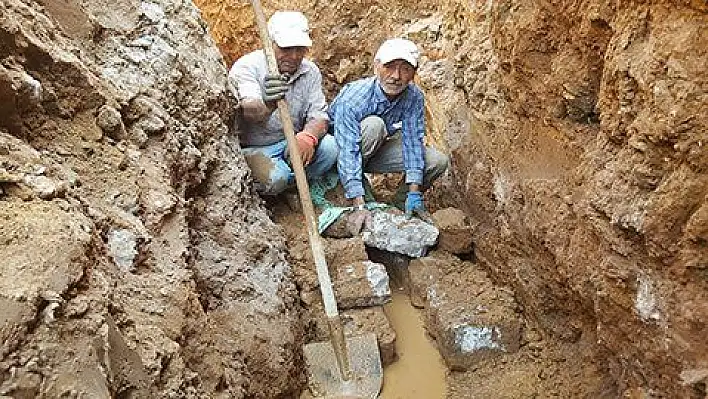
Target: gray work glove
[{"x": 275, "y": 87}]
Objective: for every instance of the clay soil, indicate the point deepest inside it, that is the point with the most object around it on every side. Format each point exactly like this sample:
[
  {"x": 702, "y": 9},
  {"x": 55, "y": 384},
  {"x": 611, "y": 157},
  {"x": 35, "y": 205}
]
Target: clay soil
[{"x": 137, "y": 260}]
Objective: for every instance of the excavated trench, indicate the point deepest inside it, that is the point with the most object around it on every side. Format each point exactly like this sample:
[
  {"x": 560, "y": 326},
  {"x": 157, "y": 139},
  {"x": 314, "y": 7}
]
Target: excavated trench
[{"x": 572, "y": 259}]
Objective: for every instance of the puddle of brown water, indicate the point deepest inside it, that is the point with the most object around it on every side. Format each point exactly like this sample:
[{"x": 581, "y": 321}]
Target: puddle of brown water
[{"x": 419, "y": 371}]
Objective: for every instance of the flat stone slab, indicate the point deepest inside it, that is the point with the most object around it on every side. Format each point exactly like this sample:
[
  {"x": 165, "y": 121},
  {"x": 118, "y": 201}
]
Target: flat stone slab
[
  {"x": 361, "y": 284},
  {"x": 400, "y": 234}
]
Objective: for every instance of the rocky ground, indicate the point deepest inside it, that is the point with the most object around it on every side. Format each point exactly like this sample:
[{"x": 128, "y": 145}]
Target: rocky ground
[
  {"x": 136, "y": 260},
  {"x": 139, "y": 263}
]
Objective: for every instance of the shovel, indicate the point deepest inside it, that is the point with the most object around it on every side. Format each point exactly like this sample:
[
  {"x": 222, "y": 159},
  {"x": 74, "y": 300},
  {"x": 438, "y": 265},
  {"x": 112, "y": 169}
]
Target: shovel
[{"x": 342, "y": 368}]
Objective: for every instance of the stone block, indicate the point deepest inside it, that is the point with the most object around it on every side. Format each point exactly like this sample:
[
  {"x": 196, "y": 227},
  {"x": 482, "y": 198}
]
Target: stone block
[
  {"x": 361, "y": 284},
  {"x": 359, "y": 321},
  {"x": 400, "y": 234},
  {"x": 471, "y": 319},
  {"x": 423, "y": 274},
  {"x": 344, "y": 251},
  {"x": 455, "y": 231}
]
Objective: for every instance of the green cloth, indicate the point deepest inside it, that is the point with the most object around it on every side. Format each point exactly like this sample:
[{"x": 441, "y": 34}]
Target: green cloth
[
  {"x": 319, "y": 187},
  {"x": 331, "y": 214}
]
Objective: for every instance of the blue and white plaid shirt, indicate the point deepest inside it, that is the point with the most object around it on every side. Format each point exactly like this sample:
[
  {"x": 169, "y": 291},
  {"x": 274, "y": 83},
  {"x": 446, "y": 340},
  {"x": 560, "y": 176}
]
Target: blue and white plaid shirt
[{"x": 363, "y": 98}]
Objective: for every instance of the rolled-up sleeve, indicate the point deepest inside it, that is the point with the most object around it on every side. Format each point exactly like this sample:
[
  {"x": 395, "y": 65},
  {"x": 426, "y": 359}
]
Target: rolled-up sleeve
[
  {"x": 245, "y": 77},
  {"x": 413, "y": 146},
  {"x": 316, "y": 103},
  {"x": 346, "y": 133}
]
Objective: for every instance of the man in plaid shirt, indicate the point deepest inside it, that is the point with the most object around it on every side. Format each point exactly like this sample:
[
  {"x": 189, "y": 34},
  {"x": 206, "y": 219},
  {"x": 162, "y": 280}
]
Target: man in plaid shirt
[{"x": 379, "y": 125}]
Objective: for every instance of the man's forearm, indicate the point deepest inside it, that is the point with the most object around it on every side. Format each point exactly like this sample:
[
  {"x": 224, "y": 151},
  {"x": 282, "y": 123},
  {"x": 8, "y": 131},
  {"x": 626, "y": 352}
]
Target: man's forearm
[
  {"x": 316, "y": 127},
  {"x": 256, "y": 111}
]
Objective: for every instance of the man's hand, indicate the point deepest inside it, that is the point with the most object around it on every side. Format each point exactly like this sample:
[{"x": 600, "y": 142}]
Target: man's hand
[
  {"x": 359, "y": 220},
  {"x": 275, "y": 88},
  {"x": 416, "y": 207},
  {"x": 306, "y": 143}
]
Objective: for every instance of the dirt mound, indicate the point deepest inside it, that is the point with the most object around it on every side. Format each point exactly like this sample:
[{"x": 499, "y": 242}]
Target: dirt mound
[{"x": 136, "y": 260}]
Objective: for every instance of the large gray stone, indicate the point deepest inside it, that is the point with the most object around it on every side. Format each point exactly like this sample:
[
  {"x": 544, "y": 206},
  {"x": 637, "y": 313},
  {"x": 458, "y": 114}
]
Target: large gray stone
[{"x": 398, "y": 233}]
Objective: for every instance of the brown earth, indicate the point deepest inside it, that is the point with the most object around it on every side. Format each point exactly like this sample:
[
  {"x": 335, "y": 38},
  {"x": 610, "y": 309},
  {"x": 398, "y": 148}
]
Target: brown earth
[
  {"x": 138, "y": 261},
  {"x": 577, "y": 132}
]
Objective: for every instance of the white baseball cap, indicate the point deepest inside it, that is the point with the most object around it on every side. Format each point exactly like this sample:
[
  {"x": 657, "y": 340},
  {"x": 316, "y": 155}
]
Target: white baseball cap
[
  {"x": 394, "y": 49},
  {"x": 289, "y": 29}
]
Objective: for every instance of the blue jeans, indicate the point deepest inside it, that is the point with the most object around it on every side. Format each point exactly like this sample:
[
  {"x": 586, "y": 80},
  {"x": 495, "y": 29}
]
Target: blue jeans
[{"x": 272, "y": 172}]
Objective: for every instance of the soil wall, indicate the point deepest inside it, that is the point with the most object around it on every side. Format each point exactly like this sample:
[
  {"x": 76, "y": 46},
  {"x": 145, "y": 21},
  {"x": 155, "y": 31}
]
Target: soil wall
[
  {"x": 577, "y": 131},
  {"x": 136, "y": 260}
]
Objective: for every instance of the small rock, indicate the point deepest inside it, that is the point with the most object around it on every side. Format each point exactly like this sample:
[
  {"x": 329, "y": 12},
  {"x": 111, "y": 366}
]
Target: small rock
[
  {"x": 42, "y": 186},
  {"x": 110, "y": 121},
  {"x": 138, "y": 136},
  {"x": 152, "y": 11},
  {"x": 122, "y": 248},
  {"x": 152, "y": 124}
]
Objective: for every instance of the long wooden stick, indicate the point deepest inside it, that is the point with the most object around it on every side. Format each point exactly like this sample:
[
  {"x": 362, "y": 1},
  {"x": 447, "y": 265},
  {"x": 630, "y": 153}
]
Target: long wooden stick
[{"x": 336, "y": 331}]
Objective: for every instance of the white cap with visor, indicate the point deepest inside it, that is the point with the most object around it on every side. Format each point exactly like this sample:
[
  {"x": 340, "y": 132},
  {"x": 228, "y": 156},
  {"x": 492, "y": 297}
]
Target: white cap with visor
[
  {"x": 289, "y": 29},
  {"x": 395, "y": 49}
]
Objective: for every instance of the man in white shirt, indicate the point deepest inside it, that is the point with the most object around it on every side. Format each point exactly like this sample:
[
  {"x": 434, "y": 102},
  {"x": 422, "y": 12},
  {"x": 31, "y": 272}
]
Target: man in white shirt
[{"x": 300, "y": 83}]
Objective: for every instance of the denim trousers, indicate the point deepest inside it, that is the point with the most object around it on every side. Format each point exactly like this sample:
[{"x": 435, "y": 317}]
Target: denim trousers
[{"x": 271, "y": 168}]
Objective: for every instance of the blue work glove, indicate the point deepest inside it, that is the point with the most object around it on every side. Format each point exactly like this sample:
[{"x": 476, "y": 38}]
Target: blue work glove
[{"x": 416, "y": 207}]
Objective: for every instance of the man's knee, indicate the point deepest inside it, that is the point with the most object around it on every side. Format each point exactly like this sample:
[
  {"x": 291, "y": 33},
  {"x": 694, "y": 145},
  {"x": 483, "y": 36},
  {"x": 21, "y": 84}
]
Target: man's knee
[
  {"x": 275, "y": 184},
  {"x": 373, "y": 134},
  {"x": 327, "y": 150},
  {"x": 373, "y": 128},
  {"x": 436, "y": 163}
]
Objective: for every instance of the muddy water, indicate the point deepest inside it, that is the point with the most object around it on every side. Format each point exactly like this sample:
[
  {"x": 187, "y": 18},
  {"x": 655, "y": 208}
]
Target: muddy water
[{"x": 419, "y": 371}]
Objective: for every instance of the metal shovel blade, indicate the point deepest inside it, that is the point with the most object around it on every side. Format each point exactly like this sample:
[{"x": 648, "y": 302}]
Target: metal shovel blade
[{"x": 326, "y": 380}]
